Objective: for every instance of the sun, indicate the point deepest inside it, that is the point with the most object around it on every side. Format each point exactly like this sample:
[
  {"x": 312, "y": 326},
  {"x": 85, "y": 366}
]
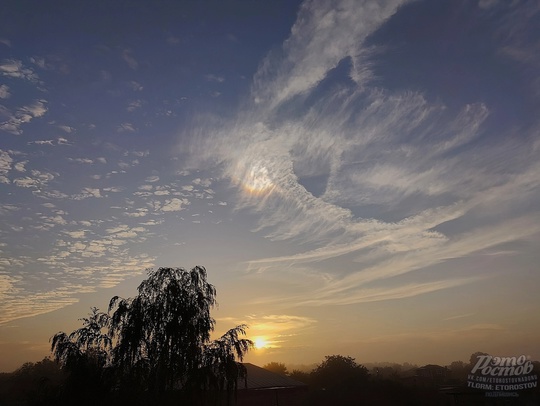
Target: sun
[{"x": 260, "y": 343}]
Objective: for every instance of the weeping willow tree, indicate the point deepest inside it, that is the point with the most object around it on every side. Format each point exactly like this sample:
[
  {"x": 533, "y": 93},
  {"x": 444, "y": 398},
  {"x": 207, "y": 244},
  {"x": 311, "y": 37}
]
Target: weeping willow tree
[
  {"x": 85, "y": 356},
  {"x": 159, "y": 340}
]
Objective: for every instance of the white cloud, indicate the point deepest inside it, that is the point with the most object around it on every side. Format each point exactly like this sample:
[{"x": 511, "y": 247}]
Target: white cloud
[
  {"x": 126, "y": 127},
  {"x": 42, "y": 142},
  {"x": 22, "y": 115},
  {"x": 134, "y": 105},
  {"x": 397, "y": 167},
  {"x": 5, "y": 166},
  {"x": 136, "y": 86},
  {"x": 202, "y": 182},
  {"x": 172, "y": 40},
  {"x": 77, "y": 246},
  {"x": 76, "y": 234},
  {"x": 15, "y": 307},
  {"x": 114, "y": 189},
  {"x": 37, "y": 180},
  {"x": 87, "y": 193},
  {"x": 66, "y": 128},
  {"x": 57, "y": 220},
  {"x": 37, "y": 109},
  {"x": 7, "y": 282},
  {"x": 14, "y": 68},
  {"x": 81, "y": 160},
  {"x": 39, "y": 61},
  {"x": 174, "y": 204},
  {"x": 487, "y": 4},
  {"x": 137, "y": 213},
  {"x": 324, "y": 34},
  {"x": 4, "y": 92},
  {"x": 19, "y": 166},
  {"x": 130, "y": 60},
  {"x": 117, "y": 229},
  {"x": 152, "y": 179},
  {"x": 214, "y": 78}
]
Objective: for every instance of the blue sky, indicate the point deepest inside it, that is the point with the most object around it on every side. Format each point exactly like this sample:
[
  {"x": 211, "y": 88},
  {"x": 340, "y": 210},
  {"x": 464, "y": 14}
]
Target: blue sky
[{"x": 358, "y": 177}]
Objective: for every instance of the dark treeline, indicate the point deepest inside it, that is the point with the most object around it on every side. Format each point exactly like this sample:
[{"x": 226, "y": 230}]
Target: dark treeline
[
  {"x": 337, "y": 380},
  {"x": 155, "y": 349}
]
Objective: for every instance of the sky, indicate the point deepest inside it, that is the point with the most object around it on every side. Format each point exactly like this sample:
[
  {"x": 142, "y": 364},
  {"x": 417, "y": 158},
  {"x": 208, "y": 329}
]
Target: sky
[{"x": 359, "y": 177}]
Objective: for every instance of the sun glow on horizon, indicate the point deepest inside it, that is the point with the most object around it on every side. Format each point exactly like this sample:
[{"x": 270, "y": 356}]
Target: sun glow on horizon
[{"x": 260, "y": 343}]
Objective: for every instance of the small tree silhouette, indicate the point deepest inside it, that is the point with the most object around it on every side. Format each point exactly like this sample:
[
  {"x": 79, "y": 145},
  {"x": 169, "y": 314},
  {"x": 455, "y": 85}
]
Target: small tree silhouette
[
  {"x": 337, "y": 372},
  {"x": 84, "y": 354}
]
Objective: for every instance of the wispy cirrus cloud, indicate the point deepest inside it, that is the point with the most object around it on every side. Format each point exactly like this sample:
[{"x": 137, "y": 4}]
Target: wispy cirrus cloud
[
  {"x": 322, "y": 36},
  {"x": 395, "y": 167},
  {"x": 214, "y": 78},
  {"x": 274, "y": 328},
  {"x": 58, "y": 141},
  {"x": 126, "y": 127},
  {"x": 129, "y": 59},
  {"x": 17, "y": 303}
]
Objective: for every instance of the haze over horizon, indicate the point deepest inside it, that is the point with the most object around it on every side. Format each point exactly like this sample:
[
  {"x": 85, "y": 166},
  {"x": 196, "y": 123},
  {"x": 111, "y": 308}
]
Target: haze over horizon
[{"x": 358, "y": 177}]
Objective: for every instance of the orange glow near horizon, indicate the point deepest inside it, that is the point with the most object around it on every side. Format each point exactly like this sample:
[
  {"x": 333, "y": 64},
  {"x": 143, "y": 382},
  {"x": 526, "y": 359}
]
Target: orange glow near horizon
[{"x": 260, "y": 343}]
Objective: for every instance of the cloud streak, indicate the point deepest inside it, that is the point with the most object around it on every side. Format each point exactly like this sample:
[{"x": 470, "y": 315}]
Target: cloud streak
[{"x": 423, "y": 165}]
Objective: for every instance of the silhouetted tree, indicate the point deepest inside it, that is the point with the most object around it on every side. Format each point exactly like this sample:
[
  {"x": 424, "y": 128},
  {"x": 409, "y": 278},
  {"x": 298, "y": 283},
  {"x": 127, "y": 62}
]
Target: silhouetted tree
[
  {"x": 474, "y": 358},
  {"x": 163, "y": 334},
  {"x": 458, "y": 371},
  {"x": 89, "y": 341},
  {"x": 337, "y": 372},
  {"x": 300, "y": 376},
  {"x": 387, "y": 372},
  {"x": 277, "y": 367},
  {"x": 219, "y": 371},
  {"x": 156, "y": 342},
  {"x": 32, "y": 384},
  {"x": 84, "y": 354}
]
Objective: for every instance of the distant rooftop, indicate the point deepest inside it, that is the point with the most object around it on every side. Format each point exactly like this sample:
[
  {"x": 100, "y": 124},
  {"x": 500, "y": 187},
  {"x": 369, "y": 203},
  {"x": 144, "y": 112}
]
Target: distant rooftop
[{"x": 260, "y": 378}]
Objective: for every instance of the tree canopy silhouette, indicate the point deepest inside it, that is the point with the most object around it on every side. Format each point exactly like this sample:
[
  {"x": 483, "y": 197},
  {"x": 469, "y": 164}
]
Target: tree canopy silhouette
[
  {"x": 159, "y": 340},
  {"x": 277, "y": 367},
  {"x": 339, "y": 373},
  {"x": 84, "y": 355}
]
